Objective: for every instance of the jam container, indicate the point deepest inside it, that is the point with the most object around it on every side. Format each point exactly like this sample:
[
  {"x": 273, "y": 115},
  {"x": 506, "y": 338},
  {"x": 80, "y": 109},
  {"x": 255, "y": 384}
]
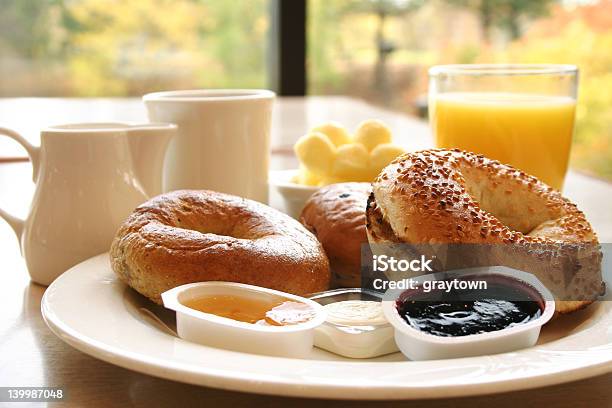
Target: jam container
[
  {"x": 294, "y": 340},
  {"x": 355, "y": 326},
  {"x": 458, "y": 333}
]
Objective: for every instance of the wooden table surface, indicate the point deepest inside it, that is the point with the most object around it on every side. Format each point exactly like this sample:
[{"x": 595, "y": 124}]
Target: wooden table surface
[{"x": 30, "y": 355}]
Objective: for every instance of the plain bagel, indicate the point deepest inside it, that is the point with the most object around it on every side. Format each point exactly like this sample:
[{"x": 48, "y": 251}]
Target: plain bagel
[
  {"x": 193, "y": 236},
  {"x": 454, "y": 197},
  {"x": 335, "y": 214}
]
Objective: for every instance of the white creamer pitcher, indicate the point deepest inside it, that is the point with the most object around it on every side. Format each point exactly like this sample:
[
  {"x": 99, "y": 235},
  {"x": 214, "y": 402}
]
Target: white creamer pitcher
[{"x": 89, "y": 177}]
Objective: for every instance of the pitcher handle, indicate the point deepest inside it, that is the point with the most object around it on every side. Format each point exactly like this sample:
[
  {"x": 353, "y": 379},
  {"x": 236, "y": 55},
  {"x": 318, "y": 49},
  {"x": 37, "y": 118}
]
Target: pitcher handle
[{"x": 34, "y": 152}]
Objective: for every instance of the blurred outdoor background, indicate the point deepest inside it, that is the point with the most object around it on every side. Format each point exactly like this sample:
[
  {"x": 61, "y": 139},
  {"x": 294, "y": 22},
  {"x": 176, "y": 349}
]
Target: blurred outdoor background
[{"x": 377, "y": 50}]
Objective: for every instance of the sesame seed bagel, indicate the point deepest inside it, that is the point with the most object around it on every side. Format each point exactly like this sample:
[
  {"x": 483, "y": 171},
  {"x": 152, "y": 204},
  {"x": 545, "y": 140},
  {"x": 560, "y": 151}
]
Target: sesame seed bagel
[
  {"x": 455, "y": 197},
  {"x": 193, "y": 236}
]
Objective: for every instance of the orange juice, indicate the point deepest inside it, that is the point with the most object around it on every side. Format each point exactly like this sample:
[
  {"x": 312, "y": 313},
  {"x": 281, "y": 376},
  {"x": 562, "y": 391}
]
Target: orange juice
[{"x": 530, "y": 132}]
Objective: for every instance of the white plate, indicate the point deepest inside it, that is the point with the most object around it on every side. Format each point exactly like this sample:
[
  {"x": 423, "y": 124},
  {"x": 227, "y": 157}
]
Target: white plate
[{"x": 91, "y": 310}]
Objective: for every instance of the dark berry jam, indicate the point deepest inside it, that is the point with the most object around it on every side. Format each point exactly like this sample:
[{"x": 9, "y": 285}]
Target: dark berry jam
[{"x": 505, "y": 302}]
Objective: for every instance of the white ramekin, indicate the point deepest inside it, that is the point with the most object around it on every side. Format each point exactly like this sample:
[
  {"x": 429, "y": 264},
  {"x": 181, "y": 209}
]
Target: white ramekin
[
  {"x": 294, "y": 195},
  {"x": 220, "y": 332},
  {"x": 418, "y": 345}
]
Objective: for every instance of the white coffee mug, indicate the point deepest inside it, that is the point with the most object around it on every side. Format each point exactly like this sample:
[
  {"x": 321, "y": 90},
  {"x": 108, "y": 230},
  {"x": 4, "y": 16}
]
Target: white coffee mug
[{"x": 223, "y": 140}]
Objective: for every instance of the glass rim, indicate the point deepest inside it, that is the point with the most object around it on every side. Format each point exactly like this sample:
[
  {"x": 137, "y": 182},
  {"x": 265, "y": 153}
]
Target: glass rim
[{"x": 502, "y": 69}]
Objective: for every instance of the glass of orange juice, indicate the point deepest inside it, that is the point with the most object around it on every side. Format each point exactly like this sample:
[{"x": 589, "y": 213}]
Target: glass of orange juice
[{"x": 522, "y": 115}]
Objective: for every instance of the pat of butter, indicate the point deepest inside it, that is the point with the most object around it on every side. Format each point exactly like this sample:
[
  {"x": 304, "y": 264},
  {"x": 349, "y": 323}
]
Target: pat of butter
[{"x": 355, "y": 313}]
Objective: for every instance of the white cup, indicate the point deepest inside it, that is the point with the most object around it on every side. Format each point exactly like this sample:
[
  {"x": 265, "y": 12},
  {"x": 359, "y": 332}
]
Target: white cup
[{"x": 223, "y": 140}]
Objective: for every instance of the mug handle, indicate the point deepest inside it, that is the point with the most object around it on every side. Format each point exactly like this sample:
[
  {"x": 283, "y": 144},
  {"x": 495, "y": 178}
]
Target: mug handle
[{"x": 34, "y": 153}]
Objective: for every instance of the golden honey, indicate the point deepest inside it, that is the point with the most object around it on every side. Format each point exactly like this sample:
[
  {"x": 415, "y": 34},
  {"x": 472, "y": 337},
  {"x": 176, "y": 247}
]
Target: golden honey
[{"x": 279, "y": 312}]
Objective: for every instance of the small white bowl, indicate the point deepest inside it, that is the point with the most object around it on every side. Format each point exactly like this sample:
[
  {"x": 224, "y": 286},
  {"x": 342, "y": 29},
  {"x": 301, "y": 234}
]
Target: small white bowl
[
  {"x": 294, "y": 195},
  {"x": 419, "y": 345},
  {"x": 353, "y": 340},
  {"x": 221, "y": 332}
]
